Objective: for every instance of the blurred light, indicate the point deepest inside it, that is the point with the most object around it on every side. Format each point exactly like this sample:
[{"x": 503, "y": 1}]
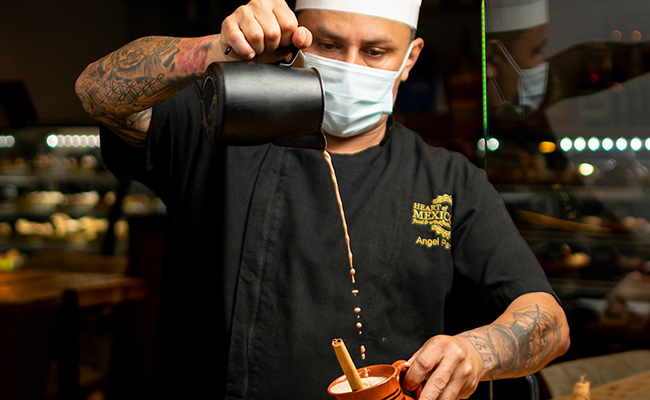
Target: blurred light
[
  {"x": 636, "y": 36},
  {"x": 52, "y": 141},
  {"x": 586, "y": 169},
  {"x": 7, "y": 141},
  {"x": 636, "y": 144},
  {"x": 492, "y": 144},
  {"x": 593, "y": 78},
  {"x": 566, "y": 144},
  {"x": 647, "y": 144},
  {"x": 621, "y": 144},
  {"x": 607, "y": 144},
  {"x": 481, "y": 144},
  {"x": 593, "y": 143},
  {"x": 580, "y": 143},
  {"x": 617, "y": 36},
  {"x": 610, "y": 164},
  {"x": 72, "y": 141},
  {"x": 547, "y": 147}
]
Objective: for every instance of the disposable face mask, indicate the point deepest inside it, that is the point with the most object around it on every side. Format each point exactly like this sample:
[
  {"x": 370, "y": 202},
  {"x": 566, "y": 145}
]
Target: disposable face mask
[
  {"x": 356, "y": 96},
  {"x": 531, "y": 88}
]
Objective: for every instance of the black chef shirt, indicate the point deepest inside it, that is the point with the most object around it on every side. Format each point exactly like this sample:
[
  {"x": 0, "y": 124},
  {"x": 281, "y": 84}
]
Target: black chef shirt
[{"x": 256, "y": 278}]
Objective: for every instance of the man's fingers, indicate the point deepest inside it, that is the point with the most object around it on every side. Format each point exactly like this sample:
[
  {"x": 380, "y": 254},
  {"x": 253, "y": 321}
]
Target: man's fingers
[
  {"x": 232, "y": 35},
  {"x": 271, "y": 30},
  {"x": 451, "y": 390},
  {"x": 438, "y": 382},
  {"x": 288, "y": 24},
  {"x": 252, "y": 28},
  {"x": 421, "y": 365},
  {"x": 263, "y": 27},
  {"x": 457, "y": 385},
  {"x": 302, "y": 38},
  {"x": 442, "y": 362}
]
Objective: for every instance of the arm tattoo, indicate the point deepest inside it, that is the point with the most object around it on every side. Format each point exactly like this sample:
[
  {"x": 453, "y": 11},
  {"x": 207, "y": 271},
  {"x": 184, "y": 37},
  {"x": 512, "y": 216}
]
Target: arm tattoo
[
  {"x": 524, "y": 344},
  {"x": 138, "y": 76},
  {"x": 128, "y": 79}
]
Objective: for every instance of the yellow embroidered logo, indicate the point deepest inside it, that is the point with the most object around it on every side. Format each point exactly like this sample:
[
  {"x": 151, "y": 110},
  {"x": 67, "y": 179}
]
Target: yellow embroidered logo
[{"x": 438, "y": 217}]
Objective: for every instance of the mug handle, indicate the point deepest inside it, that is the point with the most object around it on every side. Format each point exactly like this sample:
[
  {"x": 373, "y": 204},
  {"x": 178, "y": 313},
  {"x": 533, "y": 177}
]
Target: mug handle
[{"x": 401, "y": 369}]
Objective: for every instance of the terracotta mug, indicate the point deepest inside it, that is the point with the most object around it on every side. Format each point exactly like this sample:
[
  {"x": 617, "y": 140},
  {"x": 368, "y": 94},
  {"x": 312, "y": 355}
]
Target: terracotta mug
[{"x": 389, "y": 389}]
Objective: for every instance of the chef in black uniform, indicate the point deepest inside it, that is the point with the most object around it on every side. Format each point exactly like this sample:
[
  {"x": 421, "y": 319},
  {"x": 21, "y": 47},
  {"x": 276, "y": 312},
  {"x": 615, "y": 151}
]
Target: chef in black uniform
[{"x": 256, "y": 278}]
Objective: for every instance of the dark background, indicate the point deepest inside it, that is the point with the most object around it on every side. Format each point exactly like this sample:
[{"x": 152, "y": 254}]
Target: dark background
[{"x": 46, "y": 45}]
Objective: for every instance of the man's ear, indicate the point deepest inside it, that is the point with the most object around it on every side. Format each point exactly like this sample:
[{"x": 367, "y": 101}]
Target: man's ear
[
  {"x": 418, "y": 45},
  {"x": 491, "y": 50}
]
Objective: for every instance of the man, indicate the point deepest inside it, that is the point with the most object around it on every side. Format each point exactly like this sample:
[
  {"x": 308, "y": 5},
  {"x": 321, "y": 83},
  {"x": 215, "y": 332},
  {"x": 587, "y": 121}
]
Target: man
[
  {"x": 516, "y": 69},
  {"x": 523, "y": 83},
  {"x": 425, "y": 226}
]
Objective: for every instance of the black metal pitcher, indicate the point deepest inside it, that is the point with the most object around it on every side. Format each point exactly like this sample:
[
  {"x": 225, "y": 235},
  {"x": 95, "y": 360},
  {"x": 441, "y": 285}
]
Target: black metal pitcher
[{"x": 250, "y": 103}]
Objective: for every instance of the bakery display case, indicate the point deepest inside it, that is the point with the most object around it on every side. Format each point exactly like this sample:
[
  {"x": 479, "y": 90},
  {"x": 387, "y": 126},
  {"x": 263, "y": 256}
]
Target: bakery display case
[
  {"x": 568, "y": 149},
  {"x": 56, "y": 194}
]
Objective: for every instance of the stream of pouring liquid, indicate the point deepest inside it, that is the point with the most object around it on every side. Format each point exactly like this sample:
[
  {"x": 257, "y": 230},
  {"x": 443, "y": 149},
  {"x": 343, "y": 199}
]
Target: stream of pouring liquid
[
  {"x": 328, "y": 158},
  {"x": 357, "y": 310}
]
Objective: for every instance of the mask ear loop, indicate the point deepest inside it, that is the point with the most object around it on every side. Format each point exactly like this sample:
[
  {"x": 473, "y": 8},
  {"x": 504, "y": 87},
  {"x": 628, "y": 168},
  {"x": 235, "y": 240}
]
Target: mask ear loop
[
  {"x": 503, "y": 103},
  {"x": 511, "y": 60},
  {"x": 406, "y": 57},
  {"x": 497, "y": 89},
  {"x": 495, "y": 85}
]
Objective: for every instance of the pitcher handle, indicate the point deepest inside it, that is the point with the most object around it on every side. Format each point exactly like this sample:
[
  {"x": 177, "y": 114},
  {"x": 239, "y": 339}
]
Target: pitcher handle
[
  {"x": 401, "y": 367},
  {"x": 294, "y": 55}
]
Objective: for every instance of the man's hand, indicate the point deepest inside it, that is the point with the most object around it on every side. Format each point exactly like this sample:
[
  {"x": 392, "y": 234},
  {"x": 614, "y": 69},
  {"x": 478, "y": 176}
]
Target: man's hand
[
  {"x": 528, "y": 335},
  {"x": 261, "y": 30},
  {"x": 450, "y": 364}
]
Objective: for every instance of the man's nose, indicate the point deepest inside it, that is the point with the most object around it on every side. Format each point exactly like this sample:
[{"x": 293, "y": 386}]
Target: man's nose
[{"x": 352, "y": 56}]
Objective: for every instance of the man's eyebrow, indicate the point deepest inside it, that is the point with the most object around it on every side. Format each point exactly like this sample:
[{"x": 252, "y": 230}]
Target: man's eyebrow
[{"x": 334, "y": 36}]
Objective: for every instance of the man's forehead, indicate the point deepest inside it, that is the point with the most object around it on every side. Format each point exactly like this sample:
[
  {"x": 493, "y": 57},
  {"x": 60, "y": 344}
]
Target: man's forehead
[
  {"x": 341, "y": 26},
  {"x": 535, "y": 37}
]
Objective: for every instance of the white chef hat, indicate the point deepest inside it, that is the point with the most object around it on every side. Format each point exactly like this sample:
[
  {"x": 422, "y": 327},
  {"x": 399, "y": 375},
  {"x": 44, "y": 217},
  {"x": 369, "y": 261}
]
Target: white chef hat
[
  {"x": 514, "y": 15},
  {"x": 405, "y": 11}
]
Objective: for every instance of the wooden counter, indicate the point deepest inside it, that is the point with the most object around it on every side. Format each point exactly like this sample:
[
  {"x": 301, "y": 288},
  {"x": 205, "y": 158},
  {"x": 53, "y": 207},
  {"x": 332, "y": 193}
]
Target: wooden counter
[
  {"x": 92, "y": 289},
  {"x": 62, "y": 298}
]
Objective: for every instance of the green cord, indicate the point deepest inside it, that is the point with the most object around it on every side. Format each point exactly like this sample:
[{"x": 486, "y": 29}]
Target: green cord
[{"x": 484, "y": 82}]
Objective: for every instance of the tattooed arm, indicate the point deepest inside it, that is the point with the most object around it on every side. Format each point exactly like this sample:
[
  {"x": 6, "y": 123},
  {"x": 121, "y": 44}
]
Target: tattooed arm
[
  {"x": 120, "y": 89},
  {"x": 521, "y": 341},
  {"x": 527, "y": 336}
]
